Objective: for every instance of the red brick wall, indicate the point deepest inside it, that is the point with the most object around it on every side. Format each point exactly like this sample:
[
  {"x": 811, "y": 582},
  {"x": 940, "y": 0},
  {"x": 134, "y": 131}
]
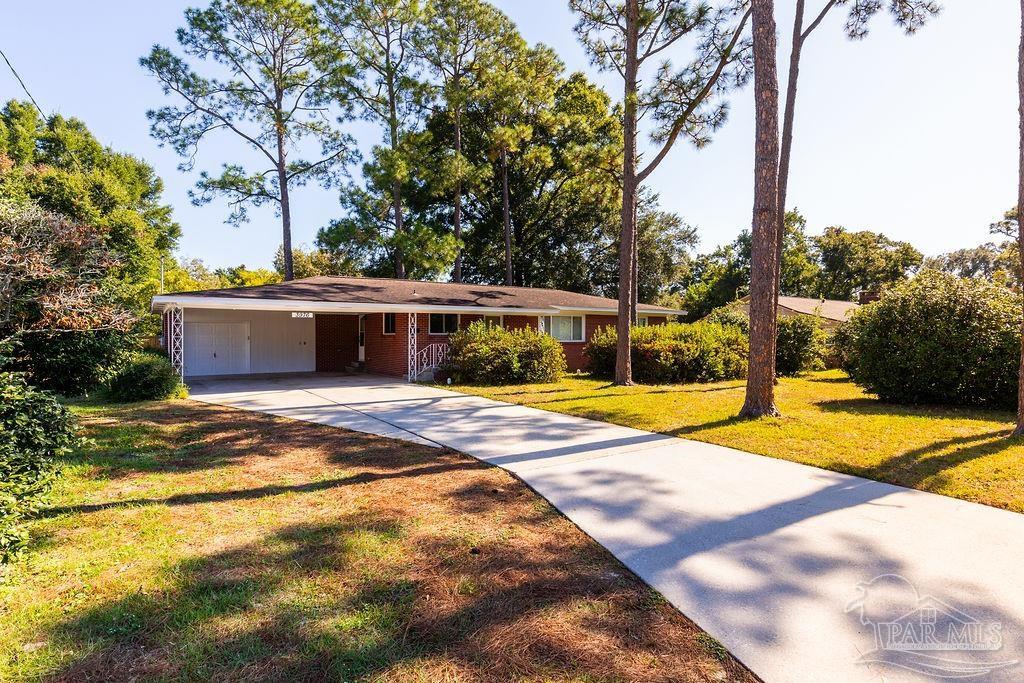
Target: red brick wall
[
  {"x": 337, "y": 341},
  {"x": 386, "y": 353},
  {"x": 656, "y": 320},
  {"x": 516, "y": 322},
  {"x": 575, "y": 357}
]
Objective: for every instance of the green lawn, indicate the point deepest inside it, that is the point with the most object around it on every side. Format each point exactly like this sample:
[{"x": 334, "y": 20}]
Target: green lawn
[
  {"x": 191, "y": 542},
  {"x": 827, "y": 422}
]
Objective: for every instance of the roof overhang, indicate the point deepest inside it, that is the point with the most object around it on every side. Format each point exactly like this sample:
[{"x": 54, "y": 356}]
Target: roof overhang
[{"x": 164, "y": 301}]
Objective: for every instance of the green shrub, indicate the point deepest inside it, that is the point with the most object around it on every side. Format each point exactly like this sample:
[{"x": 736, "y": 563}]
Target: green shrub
[
  {"x": 840, "y": 346},
  {"x": 676, "y": 352},
  {"x": 481, "y": 354},
  {"x": 937, "y": 339},
  {"x": 800, "y": 341},
  {"x": 731, "y": 315},
  {"x": 35, "y": 429},
  {"x": 800, "y": 345},
  {"x": 74, "y": 363},
  {"x": 146, "y": 377}
]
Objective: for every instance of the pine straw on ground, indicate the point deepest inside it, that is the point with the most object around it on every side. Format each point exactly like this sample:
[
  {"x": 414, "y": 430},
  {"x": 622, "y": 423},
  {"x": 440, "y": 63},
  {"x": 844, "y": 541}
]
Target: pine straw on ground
[{"x": 191, "y": 541}]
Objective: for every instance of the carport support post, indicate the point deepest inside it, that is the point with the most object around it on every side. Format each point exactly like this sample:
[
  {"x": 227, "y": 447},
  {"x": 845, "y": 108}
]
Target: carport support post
[
  {"x": 411, "y": 343},
  {"x": 176, "y": 341}
]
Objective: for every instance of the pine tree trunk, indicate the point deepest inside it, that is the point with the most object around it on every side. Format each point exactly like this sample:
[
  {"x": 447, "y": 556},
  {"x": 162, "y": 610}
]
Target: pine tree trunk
[
  {"x": 787, "y": 136},
  {"x": 760, "y": 397},
  {"x": 286, "y": 208},
  {"x": 634, "y": 290},
  {"x": 396, "y": 187},
  {"x": 786, "y": 150},
  {"x": 1019, "y": 430},
  {"x": 457, "y": 218},
  {"x": 623, "y": 362},
  {"x": 286, "y": 226},
  {"x": 505, "y": 218}
]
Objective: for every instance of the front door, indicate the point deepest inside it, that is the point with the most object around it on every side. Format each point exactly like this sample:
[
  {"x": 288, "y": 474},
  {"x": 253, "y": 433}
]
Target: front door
[{"x": 362, "y": 338}]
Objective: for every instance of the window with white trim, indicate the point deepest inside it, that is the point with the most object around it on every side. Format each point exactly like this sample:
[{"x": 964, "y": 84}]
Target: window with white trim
[
  {"x": 642, "y": 321},
  {"x": 389, "y": 323},
  {"x": 443, "y": 323},
  {"x": 492, "y": 321},
  {"x": 567, "y": 328}
]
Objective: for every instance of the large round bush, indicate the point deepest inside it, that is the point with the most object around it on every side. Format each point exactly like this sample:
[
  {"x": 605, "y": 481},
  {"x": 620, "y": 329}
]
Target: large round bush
[
  {"x": 146, "y": 377},
  {"x": 35, "y": 429},
  {"x": 482, "y": 354},
  {"x": 676, "y": 352},
  {"x": 937, "y": 339}
]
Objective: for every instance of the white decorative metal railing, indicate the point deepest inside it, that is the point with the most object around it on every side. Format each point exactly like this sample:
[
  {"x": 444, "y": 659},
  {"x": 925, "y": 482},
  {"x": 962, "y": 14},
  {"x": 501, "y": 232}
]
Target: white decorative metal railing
[
  {"x": 411, "y": 348},
  {"x": 430, "y": 357},
  {"x": 176, "y": 339}
]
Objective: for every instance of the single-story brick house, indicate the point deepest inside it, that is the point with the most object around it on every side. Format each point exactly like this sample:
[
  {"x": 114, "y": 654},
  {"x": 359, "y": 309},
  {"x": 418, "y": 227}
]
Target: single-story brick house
[{"x": 385, "y": 326}]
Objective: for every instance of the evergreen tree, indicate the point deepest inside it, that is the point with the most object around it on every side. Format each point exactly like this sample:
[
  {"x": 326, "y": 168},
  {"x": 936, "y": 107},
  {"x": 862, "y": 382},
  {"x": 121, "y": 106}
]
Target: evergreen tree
[
  {"x": 457, "y": 42},
  {"x": 376, "y": 37},
  {"x": 270, "y": 101},
  {"x": 684, "y": 102}
]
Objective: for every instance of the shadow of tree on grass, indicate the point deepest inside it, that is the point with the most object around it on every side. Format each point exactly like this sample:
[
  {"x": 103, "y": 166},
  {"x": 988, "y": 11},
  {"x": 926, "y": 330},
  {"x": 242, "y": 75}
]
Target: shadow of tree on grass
[{"x": 353, "y": 599}]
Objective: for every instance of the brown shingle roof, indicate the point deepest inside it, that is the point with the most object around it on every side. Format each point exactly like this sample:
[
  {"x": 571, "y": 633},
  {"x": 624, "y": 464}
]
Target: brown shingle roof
[
  {"x": 368, "y": 291},
  {"x": 830, "y": 309}
]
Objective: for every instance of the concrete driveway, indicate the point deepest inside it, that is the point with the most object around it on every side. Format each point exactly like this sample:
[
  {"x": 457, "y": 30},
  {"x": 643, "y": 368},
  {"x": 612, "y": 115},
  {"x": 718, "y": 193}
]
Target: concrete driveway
[{"x": 800, "y": 572}]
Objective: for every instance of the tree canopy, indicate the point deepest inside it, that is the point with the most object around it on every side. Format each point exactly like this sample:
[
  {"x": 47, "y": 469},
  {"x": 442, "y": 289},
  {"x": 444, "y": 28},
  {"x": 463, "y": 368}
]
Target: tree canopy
[
  {"x": 59, "y": 165},
  {"x": 834, "y": 265}
]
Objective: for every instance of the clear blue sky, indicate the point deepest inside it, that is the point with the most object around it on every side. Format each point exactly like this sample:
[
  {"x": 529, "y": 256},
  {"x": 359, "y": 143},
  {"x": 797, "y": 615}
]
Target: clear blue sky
[{"x": 914, "y": 137}]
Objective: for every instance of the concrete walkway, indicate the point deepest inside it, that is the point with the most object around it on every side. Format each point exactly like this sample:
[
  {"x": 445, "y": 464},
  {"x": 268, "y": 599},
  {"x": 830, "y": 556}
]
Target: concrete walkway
[{"x": 778, "y": 561}]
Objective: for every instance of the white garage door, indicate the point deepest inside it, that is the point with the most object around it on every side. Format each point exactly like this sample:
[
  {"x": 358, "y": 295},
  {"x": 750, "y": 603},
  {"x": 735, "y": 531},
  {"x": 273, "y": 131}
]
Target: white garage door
[{"x": 216, "y": 348}]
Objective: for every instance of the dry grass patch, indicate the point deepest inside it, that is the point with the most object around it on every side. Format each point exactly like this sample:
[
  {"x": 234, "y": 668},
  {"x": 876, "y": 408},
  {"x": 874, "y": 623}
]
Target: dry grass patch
[{"x": 195, "y": 542}]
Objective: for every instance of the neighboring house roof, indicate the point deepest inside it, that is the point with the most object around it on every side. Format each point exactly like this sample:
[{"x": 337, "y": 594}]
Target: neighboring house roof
[
  {"x": 830, "y": 309},
  {"x": 364, "y": 294}
]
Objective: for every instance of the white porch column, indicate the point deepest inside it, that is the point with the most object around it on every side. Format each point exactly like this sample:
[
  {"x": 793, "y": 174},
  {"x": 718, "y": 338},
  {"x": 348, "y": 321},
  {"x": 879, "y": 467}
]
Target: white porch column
[
  {"x": 411, "y": 348},
  {"x": 176, "y": 339}
]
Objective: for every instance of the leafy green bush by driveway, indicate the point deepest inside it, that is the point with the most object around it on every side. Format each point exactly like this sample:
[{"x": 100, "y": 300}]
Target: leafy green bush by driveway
[
  {"x": 675, "y": 352},
  {"x": 482, "y": 354},
  {"x": 940, "y": 339},
  {"x": 35, "y": 429},
  {"x": 146, "y": 377}
]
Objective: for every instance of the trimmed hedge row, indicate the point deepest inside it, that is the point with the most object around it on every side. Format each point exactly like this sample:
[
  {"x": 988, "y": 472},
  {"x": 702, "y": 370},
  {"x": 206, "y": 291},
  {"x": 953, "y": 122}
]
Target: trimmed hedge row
[
  {"x": 482, "y": 354},
  {"x": 35, "y": 430},
  {"x": 675, "y": 352},
  {"x": 938, "y": 339}
]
